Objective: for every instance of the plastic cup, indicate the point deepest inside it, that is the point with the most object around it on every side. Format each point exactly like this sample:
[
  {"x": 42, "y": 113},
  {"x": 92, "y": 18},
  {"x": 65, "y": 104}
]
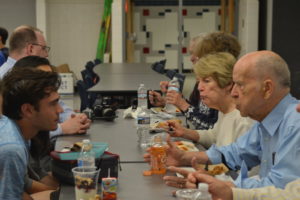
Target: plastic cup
[
  {"x": 86, "y": 182},
  {"x": 186, "y": 194}
]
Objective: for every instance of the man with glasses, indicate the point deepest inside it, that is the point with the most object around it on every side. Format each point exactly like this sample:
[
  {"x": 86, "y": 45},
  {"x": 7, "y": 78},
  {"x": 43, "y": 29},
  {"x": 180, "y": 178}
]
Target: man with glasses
[
  {"x": 29, "y": 41},
  {"x": 24, "y": 41}
]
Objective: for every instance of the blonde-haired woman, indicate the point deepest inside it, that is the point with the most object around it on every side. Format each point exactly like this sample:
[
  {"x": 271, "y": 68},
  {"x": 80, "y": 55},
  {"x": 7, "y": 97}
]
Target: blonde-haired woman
[{"x": 214, "y": 73}]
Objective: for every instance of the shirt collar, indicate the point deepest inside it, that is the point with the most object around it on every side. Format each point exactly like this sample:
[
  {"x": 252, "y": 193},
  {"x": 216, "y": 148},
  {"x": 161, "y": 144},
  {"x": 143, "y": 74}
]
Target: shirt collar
[
  {"x": 272, "y": 121},
  {"x": 11, "y": 61}
]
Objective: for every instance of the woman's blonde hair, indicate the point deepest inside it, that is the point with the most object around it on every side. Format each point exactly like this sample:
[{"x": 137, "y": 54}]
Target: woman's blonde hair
[{"x": 219, "y": 66}]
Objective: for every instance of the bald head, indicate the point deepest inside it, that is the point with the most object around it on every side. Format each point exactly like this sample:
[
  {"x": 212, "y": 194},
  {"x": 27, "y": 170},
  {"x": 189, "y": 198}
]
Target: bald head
[
  {"x": 266, "y": 64},
  {"x": 262, "y": 79}
]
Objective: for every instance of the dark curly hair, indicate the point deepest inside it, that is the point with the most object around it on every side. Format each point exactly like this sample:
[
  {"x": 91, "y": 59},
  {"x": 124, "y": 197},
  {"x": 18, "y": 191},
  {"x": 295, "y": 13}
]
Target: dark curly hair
[
  {"x": 31, "y": 62},
  {"x": 26, "y": 85}
]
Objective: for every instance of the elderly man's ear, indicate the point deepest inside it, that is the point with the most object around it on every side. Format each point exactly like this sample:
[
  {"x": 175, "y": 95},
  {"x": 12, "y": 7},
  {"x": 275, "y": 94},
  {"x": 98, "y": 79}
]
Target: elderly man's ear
[{"x": 268, "y": 88}]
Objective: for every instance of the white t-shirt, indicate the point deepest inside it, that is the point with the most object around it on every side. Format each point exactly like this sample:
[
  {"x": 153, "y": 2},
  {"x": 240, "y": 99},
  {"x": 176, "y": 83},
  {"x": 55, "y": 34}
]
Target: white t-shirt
[{"x": 226, "y": 130}]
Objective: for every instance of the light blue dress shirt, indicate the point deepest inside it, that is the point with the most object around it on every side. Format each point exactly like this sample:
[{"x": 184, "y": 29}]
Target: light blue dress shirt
[
  {"x": 273, "y": 143},
  {"x": 7, "y": 66}
]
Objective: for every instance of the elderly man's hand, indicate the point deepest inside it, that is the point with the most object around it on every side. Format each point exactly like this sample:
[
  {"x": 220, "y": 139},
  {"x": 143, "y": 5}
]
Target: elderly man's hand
[
  {"x": 174, "y": 155},
  {"x": 77, "y": 123},
  {"x": 174, "y": 181},
  {"x": 218, "y": 189}
]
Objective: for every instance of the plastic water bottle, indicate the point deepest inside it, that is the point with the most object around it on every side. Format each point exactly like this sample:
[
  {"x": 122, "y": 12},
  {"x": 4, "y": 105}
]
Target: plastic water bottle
[
  {"x": 143, "y": 127},
  {"x": 202, "y": 193},
  {"x": 87, "y": 155},
  {"x": 173, "y": 85},
  {"x": 158, "y": 156},
  {"x": 142, "y": 96}
]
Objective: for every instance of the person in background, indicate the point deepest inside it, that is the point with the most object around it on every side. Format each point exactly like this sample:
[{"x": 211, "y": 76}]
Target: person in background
[
  {"x": 262, "y": 92},
  {"x": 2, "y": 58},
  {"x": 200, "y": 116},
  {"x": 26, "y": 41},
  {"x": 30, "y": 105},
  {"x": 3, "y": 49}
]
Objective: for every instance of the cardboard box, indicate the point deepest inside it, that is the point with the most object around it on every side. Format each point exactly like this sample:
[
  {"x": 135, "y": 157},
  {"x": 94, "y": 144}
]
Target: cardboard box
[
  {"x": 64, "y": 68},
  {"x": 67, "y": 83}
]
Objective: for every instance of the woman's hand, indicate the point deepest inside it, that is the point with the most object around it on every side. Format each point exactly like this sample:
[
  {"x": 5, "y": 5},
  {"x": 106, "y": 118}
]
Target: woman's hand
[
  {"x": 175, "y": 129},
  {"x": 177, "y": 99},
  {"x": 164, "y": 86},
  {"x": 156, "y": 99}
]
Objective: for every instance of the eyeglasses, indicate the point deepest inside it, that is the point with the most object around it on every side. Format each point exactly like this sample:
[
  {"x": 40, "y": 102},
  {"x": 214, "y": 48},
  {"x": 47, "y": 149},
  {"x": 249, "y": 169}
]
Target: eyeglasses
[{"x": 45, "y": 48}]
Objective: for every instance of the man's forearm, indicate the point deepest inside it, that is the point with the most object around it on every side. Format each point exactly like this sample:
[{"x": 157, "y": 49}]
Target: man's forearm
[{"x": 38, "y": 187}]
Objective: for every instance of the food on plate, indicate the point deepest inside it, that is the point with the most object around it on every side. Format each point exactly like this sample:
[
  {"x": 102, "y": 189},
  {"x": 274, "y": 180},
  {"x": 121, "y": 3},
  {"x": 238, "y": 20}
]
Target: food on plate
[
  {"x": 218, "y": 170},
  {"x": 186, "y": 146},
  {"x": 164, "y": 124},
  {"x": 176, "y": 111},
  {"x": 159, "y": 109},
  {"x": 147, "y": 173},
  {"x": 215, "y": 169},
  {"x": 78, "y": 145}
]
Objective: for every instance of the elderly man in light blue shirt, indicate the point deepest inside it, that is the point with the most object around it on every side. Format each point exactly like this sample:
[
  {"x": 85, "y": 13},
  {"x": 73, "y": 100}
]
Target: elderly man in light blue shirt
[
  {"x": 261, "y": 90},
  {"x": 273, "y": 143}
]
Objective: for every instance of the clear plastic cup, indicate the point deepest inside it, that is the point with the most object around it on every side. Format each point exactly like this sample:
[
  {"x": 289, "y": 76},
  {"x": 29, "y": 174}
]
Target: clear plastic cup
[
  {"x": 86, "y": 182},
  {"x": 186, "y": 194}
]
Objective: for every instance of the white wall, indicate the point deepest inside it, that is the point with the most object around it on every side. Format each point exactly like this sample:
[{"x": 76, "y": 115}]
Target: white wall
[
  {"x": 72, "y": 31},
  {"x": 14, "y": 13},
  {"x": 248, "y": 25}
]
